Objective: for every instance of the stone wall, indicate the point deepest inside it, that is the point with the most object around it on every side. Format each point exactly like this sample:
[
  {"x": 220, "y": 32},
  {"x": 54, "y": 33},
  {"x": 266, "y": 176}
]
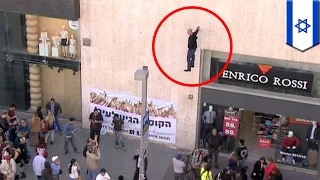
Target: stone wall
[{"x": 121, "y": 35}]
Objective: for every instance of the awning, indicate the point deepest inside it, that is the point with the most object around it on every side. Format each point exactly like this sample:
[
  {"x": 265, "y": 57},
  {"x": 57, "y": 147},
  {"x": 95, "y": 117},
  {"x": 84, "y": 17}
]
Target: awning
[{"x": 261, "y": 101}]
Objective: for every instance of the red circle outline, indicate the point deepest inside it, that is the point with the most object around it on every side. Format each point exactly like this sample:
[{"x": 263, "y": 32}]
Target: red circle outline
[{"x": 201, "y": 83}]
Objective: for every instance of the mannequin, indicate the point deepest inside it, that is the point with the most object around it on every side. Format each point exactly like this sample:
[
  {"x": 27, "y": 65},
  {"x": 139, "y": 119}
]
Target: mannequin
[
  {"x": 44, "y": 45},
  {"x": 290, "y": 142},
  {"x": 208, "y": 119},
  {"x": 313, "y": 132},
  {"x": 72, "y": 48},
  {"x": 64, "y": 41},
  {"x": 289, "y": 145}
]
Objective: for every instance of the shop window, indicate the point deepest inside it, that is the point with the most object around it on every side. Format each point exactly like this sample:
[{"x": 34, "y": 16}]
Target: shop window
[
  {"x": 292, "y": 141},
  {"x": 41, "y": 36},
  {"x": 299, "y": 143}
]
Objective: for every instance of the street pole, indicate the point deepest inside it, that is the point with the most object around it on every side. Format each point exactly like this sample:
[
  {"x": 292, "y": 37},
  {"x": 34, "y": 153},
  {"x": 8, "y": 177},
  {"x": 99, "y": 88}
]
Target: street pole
[{"x": 143, "y": 75}]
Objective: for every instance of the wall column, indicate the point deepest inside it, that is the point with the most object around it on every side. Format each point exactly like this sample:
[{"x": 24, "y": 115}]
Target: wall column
[
  {"x": 35, "y": 86},
  {"x": 32, "y": 24}
]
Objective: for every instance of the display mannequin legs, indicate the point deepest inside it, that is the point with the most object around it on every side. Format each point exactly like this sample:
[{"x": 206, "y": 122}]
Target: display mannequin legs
[{"x": 65, "y": 51}]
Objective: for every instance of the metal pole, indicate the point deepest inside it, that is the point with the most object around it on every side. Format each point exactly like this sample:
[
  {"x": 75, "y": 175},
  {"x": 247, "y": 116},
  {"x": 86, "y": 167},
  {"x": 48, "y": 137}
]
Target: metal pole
[{"x": 143, "y": 113}]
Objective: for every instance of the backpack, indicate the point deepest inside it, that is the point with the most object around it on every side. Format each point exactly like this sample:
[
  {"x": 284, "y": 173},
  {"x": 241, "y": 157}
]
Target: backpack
[{"x": 44, "y": 126}]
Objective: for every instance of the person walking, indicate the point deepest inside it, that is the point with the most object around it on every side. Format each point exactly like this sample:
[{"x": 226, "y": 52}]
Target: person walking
[
  {"x": 214, "y": 142},
  {"x": 55, "y": 108},
  {"x": 233, "y": 164},
  {"x": 93, "y": 158},
  {"x": 103, "y": 175},
  {"x": 74, "y": 170},
  {"x": 38, "y": 164},
  {"x": 195, "y": 162},
  {"x": 178, "y": 167},
  {"x": 258, "y": 169},
  {"x": 47, "y": 172},
  {"x": 192, "y": 46},
  {"x": 138, "y": 160},
  {"x": 40, "y": 113},
  {"x": 35, "y": 124},
  {"x": 118, "y": 127},
  {"x": 56, "y": 168},
  {"x": 69, "y": 131},
  {"x": 242, "y": 152},
  {"x": 50, "y": 119},
  {"x": 96, "y": 121}
]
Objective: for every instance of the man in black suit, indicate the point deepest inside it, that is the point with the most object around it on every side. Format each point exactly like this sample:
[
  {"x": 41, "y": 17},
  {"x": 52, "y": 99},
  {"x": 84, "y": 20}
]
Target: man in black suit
[{"x": 192, "y": 47}]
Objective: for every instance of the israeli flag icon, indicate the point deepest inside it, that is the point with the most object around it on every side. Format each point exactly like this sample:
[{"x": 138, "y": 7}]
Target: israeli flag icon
[{"x": 302, "y": 24}]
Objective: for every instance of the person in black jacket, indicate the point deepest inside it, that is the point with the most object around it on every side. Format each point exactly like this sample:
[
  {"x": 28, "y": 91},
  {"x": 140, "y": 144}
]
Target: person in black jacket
[
  {"x": 258, "y": 169},
  {"x": 136, "y": 157},
  {"x": 242, "y": 152},
  {"x": 214, "y": 142},
  {"x": 192, "y": 46}
]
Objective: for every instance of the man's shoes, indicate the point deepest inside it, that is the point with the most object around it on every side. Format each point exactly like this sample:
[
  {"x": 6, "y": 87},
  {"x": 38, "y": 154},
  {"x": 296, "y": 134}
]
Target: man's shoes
[
  {"x": 192, "y": 66},
  {"x": 51, "y": 142},
  {"x": 67, "y": 155},
  {"x": 123, "y": 149},
  {"x": 187, "y": 70},
  {"x": 23, "y": 175}
]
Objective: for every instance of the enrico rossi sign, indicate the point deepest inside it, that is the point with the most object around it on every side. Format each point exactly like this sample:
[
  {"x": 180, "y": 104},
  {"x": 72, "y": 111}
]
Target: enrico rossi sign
[{"x": 266, "y": 75}]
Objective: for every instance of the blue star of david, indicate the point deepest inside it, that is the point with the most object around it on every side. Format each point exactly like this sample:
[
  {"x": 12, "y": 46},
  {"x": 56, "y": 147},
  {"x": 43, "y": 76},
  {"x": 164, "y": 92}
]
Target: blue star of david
[{"x": 305, "y": 22}]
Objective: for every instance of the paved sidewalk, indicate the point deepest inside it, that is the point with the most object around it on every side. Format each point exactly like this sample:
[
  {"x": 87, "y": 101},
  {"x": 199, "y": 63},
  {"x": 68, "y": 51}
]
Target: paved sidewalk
[{"x": 121, "y": 162}]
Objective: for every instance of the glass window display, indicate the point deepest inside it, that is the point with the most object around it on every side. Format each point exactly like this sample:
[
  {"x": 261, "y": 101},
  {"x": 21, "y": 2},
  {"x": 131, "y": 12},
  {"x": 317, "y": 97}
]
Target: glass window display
[
  {"x": 300, "y": 143},
  {"x": 292, "y": 141}
]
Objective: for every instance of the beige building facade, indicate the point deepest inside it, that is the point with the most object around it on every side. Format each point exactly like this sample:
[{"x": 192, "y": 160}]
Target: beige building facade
[{"x": 121, "y": 38}]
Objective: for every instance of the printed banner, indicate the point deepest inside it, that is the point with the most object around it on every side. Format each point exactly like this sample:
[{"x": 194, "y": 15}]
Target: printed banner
[
  {"x": 230, "y": 123},
  {"x": 162, "y": 114}
]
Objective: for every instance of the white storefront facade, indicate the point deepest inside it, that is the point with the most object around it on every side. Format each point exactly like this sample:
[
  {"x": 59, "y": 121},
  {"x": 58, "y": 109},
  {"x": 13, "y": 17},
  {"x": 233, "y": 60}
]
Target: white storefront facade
[{"x": 121, "y": 34}]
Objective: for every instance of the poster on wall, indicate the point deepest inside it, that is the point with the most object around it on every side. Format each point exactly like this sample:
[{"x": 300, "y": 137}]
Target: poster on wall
[
  {"x": 163, "y": 120},
  {"x": 231, "y": 123}
]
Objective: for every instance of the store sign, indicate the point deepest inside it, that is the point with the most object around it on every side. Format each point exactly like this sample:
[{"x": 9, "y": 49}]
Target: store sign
[
  {"x": 161, "y": 119},
  {"x": 266, "y": 75},
  {"x": 264, "y": 143},
  {"x": 300, "y": 121},
  {"x": 231, "y": 123}
]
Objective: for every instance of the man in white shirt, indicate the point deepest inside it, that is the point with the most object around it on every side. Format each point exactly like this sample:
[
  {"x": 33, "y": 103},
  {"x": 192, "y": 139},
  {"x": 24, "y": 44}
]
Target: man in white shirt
[
  {"x": 103, "y": 175},
  {"x": 178, "y": 167},
  {"x": 38, "y": 164}
]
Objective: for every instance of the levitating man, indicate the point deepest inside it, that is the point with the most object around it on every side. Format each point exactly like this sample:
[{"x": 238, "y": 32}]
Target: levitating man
[{"x": 192, "y": 46}]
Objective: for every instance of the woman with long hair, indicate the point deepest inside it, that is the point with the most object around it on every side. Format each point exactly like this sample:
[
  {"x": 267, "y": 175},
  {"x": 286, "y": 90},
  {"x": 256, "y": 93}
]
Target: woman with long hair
[
  {"x": 258, "y": 169},
  {"x": 35, "y": 128},
  {"x": 233, "y": 164},
  {"x": 47, "y": 172},
  {"x": 40, "y": 113},
  {"x": 271, "y": 165},
  {"x": 74, "y": 170},
  {"x": 50, "y": 121}
]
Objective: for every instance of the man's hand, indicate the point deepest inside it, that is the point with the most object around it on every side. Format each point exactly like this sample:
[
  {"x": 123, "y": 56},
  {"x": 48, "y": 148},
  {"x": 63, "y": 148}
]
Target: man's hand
[{"x": 198, "y": 27}]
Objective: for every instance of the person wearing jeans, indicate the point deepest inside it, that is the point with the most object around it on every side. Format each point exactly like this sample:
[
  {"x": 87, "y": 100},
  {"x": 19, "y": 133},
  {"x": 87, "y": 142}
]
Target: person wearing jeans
[
  {"x": 192, "y": 46},
  {"x": 118, "y": 127},
  {"x": 93, "y": 157},
  {"x": 55, "y": 107},
  {"x": 69, "y": 131}
]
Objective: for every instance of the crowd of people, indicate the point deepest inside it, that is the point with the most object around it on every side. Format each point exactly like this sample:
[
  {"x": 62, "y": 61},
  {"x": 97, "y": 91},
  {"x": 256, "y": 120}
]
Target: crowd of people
[
  {"x": 19, "y": 137},
  {"x": 200, "y": 165}
]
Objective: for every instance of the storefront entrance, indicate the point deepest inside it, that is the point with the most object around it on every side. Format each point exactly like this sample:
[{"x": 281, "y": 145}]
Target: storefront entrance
[{"x": 273, "y": 109}]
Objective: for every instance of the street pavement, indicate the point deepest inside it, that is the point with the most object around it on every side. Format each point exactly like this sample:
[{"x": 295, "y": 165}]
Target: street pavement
[{"x": 118, "y": 162}]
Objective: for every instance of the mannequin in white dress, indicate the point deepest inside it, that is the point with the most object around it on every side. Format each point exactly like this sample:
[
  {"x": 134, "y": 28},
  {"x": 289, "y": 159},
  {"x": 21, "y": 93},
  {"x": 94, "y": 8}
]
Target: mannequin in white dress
[
  {"x": 72, "y": 48},
  {"x": 64, "y": 41}
]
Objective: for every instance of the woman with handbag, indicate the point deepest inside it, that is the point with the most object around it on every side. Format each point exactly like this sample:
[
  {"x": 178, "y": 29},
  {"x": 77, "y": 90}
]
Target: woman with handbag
[{"x": 74, "y": 170}]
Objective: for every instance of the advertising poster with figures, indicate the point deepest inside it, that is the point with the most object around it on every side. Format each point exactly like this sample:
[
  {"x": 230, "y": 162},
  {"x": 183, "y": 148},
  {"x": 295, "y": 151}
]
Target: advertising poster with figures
[
  {"x": 231, "y": 123},
  {"x": 162, "y": 123}
]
